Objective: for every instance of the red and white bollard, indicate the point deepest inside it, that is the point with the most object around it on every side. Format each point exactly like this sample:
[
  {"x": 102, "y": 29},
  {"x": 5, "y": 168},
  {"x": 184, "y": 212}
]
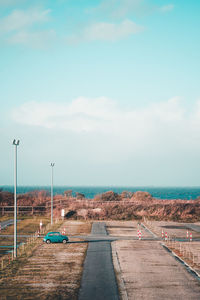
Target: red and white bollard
[
  {"x": 191, "y": 237},
  {"x": 139, "y": 235},
  {"x": 187, "y": 234},
  {"x": 165, "y": 236},
  {"x": 162, "y": 234}
]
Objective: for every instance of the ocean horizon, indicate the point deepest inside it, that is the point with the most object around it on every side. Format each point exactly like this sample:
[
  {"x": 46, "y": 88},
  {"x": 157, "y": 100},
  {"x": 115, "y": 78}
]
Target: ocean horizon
[{"x": 184, "y": 193}]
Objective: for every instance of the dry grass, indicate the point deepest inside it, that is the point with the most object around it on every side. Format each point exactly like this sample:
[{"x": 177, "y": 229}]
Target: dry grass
[
  {"x": 51, "y": 272},
  {"x": 26, "y": 226},
  {"x": 5, "y": 217}
]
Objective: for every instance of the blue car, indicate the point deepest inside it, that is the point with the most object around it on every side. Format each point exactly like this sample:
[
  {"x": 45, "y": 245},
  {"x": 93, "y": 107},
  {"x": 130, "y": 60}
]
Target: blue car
[{"x": 55, "y": 237}]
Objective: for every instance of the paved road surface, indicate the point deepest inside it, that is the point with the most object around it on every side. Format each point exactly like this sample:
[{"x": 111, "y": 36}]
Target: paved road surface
[
  {"x": 193, "y": 227},
  {"x": 6, "y": 223},
  {"x": 150, "y": 272},
  {"x": 98, "y": 280}
]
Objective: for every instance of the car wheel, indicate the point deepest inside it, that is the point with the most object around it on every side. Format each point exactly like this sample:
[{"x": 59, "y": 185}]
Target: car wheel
[
  {"x": 64, "y": 241},
  {"x": 48, "y": 241}
]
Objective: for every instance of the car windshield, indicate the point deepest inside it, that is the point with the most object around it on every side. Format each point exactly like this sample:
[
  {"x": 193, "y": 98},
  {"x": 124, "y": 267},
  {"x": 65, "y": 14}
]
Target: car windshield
[{"x": 54, "y": 234}]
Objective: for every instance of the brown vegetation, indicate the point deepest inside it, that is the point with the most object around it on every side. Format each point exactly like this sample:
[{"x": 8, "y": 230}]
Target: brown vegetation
[
  {"x": 33, "y": 198},
  {"x": 110, "y": 205}
]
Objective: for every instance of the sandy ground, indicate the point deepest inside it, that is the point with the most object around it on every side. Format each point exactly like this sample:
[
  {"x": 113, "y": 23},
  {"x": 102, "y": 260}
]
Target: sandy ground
[
  {"x": 52, "y": 272},
  {"x": 148, "y": 270}
]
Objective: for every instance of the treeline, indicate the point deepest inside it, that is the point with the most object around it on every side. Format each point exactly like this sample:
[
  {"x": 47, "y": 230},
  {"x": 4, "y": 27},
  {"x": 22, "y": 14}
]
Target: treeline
[{"x": 33, "y": 198}]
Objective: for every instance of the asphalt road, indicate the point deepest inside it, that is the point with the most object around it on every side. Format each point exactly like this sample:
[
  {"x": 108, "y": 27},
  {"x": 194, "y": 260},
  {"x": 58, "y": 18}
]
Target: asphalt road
[
  {"x": 193, "y": 227},
  {"x": 6, "y": 223},
  {"x": 98, "y": 280}
]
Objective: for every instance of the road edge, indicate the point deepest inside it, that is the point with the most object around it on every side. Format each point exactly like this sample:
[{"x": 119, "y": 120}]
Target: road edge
[
  {"x": 186, "y": 265},
  {"x": 118, "y": 272}
]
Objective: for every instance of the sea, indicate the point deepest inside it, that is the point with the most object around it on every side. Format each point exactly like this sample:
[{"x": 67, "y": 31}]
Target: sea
[{"x": 184, "y": 193}]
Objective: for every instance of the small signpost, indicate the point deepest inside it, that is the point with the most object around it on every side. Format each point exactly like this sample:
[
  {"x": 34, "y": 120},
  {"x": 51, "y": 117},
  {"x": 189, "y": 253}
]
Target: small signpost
[{"x": 62, "y": 213}]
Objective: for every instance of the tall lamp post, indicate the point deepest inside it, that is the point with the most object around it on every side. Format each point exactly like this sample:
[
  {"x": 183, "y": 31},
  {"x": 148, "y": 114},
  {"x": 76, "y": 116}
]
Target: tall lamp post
[
  {"x": 52, "y": 165},
  {"x": 15, "y": 143}
]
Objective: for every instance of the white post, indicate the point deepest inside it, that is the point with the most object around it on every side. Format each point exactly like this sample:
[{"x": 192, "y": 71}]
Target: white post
[
  {"x": 15, "y": 143},
  {"x": 52, "y": 165}
]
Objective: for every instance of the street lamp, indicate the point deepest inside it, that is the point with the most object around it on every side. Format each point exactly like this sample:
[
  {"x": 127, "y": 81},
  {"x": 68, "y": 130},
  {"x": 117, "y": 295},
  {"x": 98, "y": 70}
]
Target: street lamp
[
  {"x": 15, "y": 143},
  {"x": 52, "y": 165}
]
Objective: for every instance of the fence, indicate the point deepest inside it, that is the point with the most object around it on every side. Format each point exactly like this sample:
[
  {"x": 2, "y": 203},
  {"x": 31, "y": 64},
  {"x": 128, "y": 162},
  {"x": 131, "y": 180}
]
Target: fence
[
  {"x": 187, "y": 250},
  {"x": 26, "y": 248},
  {"x": 23, "y": 210},
  {"x": 31, "y": 210}
]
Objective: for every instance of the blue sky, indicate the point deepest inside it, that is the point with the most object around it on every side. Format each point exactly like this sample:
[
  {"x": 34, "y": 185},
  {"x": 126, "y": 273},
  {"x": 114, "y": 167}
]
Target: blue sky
[{"x": 108, "y": 90}]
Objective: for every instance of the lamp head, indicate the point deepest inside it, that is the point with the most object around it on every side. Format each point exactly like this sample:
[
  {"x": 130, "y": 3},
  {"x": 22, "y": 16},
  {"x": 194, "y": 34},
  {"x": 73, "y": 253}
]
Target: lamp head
[{"x": 15, "y": 142}]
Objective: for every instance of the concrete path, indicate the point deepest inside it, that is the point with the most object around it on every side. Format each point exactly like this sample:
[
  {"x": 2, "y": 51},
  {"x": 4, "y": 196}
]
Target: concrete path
[{"x": 98, "y": 280}]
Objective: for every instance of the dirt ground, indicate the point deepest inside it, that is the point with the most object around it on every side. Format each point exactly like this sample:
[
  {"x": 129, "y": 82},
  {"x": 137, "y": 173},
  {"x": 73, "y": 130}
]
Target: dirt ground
[
  {"x": 148, "y": 270},
  {"x": 53, "y": 271}
]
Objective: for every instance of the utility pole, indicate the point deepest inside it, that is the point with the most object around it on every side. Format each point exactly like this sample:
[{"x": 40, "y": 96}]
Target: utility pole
[
  {"x": 15, "y": 143},
  {"x": 52, "y": 165}
]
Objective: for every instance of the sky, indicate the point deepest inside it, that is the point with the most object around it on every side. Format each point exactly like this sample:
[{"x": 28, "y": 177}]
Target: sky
[{"x": 108, "y": 90}]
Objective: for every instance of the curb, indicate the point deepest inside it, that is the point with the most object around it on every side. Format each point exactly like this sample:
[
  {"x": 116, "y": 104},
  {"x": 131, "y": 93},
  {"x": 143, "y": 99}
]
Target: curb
[
  {"x": 146, "y": 228},
  {"x": 188, "y": 267},
  {"x": 122, "y": 288}
]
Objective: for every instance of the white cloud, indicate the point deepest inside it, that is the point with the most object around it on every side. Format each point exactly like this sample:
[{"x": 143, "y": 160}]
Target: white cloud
[
  {"x": 81, "y": 115},
  {"x": 167, "y": 8},
  {"x": 144, "y": 142},
  {"x": 11, "y": 2},
  {"x": 106, "y": 32},
  {"x": 103, "y": 116},
  {"x": 124, "y": 8},
  {"x": 20, "y": 27},
  {"x": 20, "y": 19},
  {"x": 33, "y": 39}
]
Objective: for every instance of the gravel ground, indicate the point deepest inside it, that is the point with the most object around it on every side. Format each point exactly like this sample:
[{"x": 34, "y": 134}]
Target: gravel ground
[{"x": 149, "y": 271}]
